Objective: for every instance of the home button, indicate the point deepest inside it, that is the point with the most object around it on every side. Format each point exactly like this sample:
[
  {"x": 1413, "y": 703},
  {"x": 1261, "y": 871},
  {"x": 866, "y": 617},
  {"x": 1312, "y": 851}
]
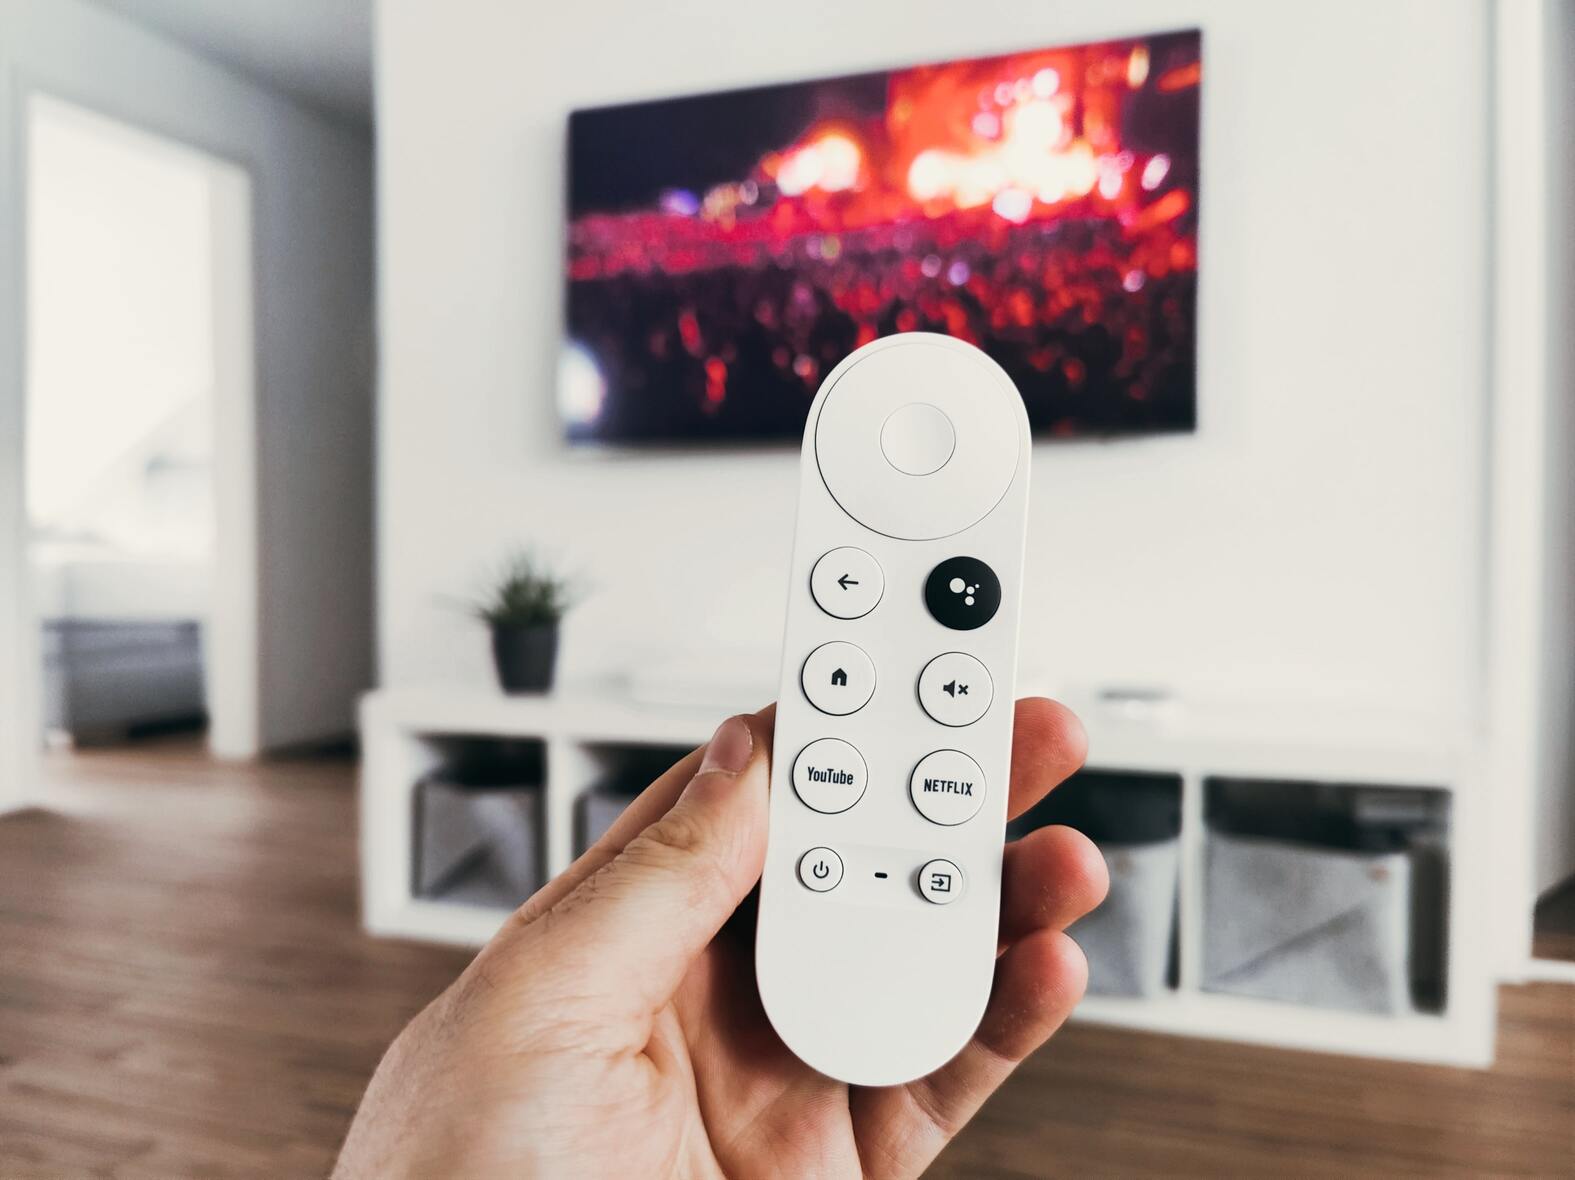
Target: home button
[{"x": 838, "y": 678}]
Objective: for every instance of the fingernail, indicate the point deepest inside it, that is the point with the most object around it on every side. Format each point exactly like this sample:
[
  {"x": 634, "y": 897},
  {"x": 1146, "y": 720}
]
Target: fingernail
[{"x": 729, "y": 748}]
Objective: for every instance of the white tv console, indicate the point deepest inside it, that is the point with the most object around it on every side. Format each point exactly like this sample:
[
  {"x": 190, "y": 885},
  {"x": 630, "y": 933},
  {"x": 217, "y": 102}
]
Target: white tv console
[{"x": 406, "y": 733}]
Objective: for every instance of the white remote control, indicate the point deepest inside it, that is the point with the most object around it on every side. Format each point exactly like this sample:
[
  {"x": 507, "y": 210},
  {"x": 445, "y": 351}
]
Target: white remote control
[{"x": 880, "y": 898}]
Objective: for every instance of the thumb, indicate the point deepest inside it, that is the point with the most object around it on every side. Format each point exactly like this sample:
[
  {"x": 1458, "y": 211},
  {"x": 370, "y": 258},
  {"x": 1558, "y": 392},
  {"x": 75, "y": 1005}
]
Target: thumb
[{"x": 638, "y": 922}]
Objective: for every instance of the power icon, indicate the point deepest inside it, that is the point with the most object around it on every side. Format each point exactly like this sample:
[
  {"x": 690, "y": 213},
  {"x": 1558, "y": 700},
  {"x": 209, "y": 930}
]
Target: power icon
[{"x": 820, "y": 869}]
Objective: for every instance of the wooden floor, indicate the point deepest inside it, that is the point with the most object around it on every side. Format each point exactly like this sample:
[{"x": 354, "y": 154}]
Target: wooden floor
[{"x": 184, "y": 992}]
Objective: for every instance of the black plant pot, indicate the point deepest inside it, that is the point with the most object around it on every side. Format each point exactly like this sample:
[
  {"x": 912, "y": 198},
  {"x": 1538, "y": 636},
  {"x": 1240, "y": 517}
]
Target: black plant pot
[{"x": 525, "y": 656}]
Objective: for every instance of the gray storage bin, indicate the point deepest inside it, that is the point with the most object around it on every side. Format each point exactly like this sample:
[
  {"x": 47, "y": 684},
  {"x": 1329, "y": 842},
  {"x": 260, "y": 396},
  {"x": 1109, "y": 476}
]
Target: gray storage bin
[
  {"x": 480, "y": 845},
  {"x": 1135, "y": 820},
  {"x": 1127, "y": 940},
  {"x": 1318, "y": 926}
]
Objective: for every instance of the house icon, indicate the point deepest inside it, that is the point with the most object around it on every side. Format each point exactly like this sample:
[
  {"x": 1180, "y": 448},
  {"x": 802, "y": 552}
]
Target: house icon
[{"x": 839, "y": 678}]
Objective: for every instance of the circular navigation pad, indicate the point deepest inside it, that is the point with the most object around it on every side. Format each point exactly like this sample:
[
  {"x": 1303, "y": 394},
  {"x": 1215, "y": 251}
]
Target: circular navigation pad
[{"x": 920, "y": 437}]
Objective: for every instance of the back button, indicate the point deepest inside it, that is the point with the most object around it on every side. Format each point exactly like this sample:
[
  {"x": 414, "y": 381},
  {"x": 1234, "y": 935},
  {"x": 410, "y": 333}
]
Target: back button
[{"x": 847, "y": 583}]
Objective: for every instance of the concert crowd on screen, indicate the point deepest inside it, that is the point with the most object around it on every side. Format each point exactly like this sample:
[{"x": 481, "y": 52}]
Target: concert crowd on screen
[{"x": 1092, "y": 322}]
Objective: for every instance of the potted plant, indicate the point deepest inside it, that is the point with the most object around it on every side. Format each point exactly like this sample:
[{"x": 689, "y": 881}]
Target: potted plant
[{"x": 523, "y": 609}]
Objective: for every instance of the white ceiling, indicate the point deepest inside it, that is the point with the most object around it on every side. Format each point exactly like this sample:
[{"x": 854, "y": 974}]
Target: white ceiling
[{"x": 319, "y": 51}]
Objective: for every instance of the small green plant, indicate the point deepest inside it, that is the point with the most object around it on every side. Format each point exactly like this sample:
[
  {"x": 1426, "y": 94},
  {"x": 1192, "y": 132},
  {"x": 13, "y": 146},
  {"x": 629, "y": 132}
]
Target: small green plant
[{"x": 527, "y": 593}]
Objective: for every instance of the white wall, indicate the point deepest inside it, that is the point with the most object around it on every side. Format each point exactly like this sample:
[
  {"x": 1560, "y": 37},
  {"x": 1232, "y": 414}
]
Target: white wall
[
  {"x": 313, "y": 266},
  {"x": 1319, "y": 536}
]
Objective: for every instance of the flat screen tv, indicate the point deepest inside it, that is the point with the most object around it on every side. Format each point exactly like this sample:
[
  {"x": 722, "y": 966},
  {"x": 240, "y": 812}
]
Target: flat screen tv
[{"x": 725, "y": 251}]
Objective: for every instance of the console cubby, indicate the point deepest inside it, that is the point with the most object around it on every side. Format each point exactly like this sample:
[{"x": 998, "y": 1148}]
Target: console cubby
[
  {"x": 1326, "y": 894},
  {"x": 478, "y": 822}
]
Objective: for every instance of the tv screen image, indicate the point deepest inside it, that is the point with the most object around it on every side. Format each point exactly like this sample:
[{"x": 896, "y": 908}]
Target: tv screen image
[{"x": 725, "y": 251}]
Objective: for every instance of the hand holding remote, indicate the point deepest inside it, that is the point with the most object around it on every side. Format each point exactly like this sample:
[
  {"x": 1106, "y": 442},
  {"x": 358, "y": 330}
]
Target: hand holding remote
[{"x": 612, "y": 1028}]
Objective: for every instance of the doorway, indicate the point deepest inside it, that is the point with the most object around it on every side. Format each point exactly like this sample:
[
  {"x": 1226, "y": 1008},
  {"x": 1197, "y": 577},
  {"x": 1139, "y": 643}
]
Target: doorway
[{"x": 139, "y": 422}]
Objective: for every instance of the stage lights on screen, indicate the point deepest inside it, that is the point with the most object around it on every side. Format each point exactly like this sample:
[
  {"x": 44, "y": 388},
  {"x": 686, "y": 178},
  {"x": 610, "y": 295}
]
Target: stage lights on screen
[{"x": 582, "y": 390}]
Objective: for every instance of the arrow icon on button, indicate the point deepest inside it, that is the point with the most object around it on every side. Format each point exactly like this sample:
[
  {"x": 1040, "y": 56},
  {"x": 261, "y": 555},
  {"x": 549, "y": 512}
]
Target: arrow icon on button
[{"x": 844, "y": 581}]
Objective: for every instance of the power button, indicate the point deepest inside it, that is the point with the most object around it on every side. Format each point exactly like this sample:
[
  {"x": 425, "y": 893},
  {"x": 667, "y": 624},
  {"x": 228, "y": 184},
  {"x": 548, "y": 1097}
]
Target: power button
[{"x": 820, "y": 869}]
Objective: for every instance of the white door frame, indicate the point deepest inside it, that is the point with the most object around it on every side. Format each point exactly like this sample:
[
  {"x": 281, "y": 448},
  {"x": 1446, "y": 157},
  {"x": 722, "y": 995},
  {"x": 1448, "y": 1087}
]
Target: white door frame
[
  {"x": 18, "y": 743},
  {"x": 1523, "y": 452},
  {"x": 230, "y": 640},
  {"x": 230, "y": 656}
]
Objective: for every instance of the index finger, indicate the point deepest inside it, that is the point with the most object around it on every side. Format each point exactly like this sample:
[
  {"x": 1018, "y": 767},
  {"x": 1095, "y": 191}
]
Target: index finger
[{"x": 1048, "y": 746}]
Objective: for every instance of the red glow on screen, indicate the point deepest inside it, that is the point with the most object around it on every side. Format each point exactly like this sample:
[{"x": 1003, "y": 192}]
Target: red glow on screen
[{"x": 1181, "y": 78}]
